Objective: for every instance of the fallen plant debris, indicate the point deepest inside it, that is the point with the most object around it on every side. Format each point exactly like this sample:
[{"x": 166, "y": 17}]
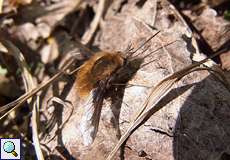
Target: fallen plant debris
[{"x": 124, "y": 79}]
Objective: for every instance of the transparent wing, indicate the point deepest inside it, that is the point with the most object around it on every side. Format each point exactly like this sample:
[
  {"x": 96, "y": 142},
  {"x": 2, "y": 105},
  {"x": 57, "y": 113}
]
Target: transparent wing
[{"x": 91, "y": 115}]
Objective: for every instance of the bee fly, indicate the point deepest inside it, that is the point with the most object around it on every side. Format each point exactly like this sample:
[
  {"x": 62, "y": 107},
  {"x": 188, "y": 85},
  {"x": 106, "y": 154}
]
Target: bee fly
[
  {"x": 100, "y": 77},
  {"x": 106, "y": 66}
]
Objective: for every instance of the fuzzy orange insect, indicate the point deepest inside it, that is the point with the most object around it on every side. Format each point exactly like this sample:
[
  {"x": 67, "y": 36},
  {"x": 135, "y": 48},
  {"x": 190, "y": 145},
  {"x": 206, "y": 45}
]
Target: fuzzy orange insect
[
  {"x": 114, "y": 67},
  {"x": 97, "y": 68}
]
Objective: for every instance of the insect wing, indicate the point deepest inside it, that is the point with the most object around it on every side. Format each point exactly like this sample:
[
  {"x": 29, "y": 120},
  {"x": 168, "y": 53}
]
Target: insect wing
[{"x": 91, "y": 116}]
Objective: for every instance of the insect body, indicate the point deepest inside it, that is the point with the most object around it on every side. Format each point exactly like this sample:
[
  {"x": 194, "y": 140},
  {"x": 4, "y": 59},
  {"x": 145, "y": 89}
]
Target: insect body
[
  {"x": 103, "y": 65},
  {"x": 102, "y": 76},
  {"x": 97, "y": 68}
]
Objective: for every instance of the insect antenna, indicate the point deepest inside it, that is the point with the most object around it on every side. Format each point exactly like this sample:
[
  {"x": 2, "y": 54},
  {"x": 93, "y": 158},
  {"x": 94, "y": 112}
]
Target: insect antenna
[{"x": 133, "y": 52}]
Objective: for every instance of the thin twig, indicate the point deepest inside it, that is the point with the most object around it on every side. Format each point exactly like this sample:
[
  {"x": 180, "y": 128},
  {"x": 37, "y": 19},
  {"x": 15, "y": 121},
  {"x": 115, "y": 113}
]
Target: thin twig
[
  {"x": 1, "y": 6},
  {"x": 95, "y": 23},
  {"x": 64, "y": 104},
  {"x": 217, "y": 74},
  {"x": 29, "y": 85},
  {"x": 18, "y": 102}
]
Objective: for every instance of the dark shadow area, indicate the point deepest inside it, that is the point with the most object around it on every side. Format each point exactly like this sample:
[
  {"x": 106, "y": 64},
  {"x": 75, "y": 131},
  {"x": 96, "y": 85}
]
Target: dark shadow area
[
  {"x": 116, "y": 103},
  {"x": 220, "y": 7},
  {"x": 185, "y": 4},
  {"x": 57, "y": 116},
  {"x": 202, "y": 131},
  {"x": 202, "y": 43}
]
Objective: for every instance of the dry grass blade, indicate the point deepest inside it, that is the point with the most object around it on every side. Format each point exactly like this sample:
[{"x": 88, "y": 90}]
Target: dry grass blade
[
  {"x": 157, "y": 93},
  {"x": 29, "y": 85},
  {"x": 18, "y": 102},
  {"x": 219, "y": 75},
  {"x": 94, "y": 25},
  {"x": 65, "y": 104},
  {"x": 1, "y": 5}
]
